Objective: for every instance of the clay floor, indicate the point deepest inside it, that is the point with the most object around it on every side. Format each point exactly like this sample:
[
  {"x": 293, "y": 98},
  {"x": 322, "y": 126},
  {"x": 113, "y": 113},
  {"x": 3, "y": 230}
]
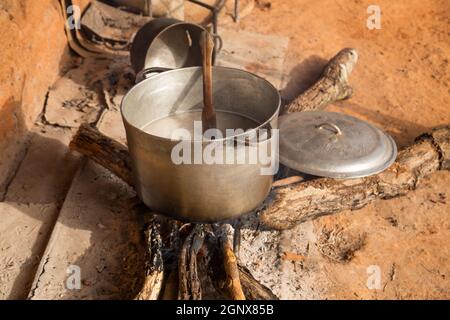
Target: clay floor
[{"x": 61, "y": 210}]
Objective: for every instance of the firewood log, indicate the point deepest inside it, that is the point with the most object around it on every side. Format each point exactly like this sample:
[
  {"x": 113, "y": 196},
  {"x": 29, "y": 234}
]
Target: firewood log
[
  {"x": 232, "y": 283},
  {"x": 189, "y": 287},
  {"x": 153, "y": 263},
  {"x": 253, "y": 290},
  {"x": 331, "y": 86},
  {"x": 291, "y": 204},
  {"x": 222, "y": 267},
  {"x": 103, "y": 150}
]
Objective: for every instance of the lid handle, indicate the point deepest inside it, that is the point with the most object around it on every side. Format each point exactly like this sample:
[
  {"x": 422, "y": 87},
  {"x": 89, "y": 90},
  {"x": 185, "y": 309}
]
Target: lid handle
[{"x": 336, "y": 129}]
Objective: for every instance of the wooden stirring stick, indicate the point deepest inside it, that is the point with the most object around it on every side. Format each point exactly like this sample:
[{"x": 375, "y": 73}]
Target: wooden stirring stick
[{"x": 208, "y": 113}]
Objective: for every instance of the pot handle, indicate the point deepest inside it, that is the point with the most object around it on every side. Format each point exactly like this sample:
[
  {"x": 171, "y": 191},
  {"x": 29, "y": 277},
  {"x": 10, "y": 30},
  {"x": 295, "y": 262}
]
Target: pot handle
[
  {"x": 245, "y": 137},
  {"x": 218, "y": 44},
  {"x": 147, "y": 73}
]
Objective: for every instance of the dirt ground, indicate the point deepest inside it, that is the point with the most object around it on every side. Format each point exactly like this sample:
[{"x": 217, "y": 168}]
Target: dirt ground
[
  {"x": 391, "y": 249},
  {"x": 401, "y": 84}
]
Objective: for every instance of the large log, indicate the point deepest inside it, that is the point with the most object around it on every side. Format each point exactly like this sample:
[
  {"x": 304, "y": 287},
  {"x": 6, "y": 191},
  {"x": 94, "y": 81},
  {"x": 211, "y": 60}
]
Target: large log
[{"x": 291, "y": 204}]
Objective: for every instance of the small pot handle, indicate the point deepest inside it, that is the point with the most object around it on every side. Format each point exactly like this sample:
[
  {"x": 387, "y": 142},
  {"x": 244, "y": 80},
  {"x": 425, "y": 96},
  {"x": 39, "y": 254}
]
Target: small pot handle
[
  {"x": 245, "y": 139},
  {"x": 218, "y": 44},
  {"x": 147, "y": 73}
]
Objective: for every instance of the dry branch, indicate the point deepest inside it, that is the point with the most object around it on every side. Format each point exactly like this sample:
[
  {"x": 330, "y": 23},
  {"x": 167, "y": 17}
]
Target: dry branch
[
  {"x": 292, "y": 204},
  {"x": 153, "y": 264},
  {"x": 172, "y": 242},
  {"x": 253, "y": 290},
  {"x": 107, "y": 152},
  {"x": 189, "y": 285},
  {"x": 232, "y": 282},
  {"x": 331, "y": 86},
  {"x": 225, "y": 279},
  {"x": 222, "y": 266}
]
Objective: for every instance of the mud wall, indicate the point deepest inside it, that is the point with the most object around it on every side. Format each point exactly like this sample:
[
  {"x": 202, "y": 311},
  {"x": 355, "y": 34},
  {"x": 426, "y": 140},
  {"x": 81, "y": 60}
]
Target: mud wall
[{"x": 33, "y": 52}]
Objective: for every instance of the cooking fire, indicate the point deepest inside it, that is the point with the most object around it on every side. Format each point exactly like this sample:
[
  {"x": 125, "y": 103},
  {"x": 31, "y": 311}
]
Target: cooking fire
[{"x": 224, "y": 150}]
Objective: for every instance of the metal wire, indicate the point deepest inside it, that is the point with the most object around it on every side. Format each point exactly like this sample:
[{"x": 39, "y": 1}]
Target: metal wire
[{"x": 215, "y": 10}]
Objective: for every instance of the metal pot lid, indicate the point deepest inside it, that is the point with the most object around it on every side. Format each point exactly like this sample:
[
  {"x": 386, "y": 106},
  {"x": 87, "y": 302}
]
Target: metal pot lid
[{"x": 335, "y": 145}]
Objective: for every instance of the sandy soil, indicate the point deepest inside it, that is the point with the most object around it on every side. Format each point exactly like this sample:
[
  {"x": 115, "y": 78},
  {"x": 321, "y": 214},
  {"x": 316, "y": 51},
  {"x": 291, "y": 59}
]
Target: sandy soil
[{"x": 401, "y": 84}]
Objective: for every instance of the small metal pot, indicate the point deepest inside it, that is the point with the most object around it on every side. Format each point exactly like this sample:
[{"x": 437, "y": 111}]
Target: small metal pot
[
  {"x": 197, "y": 192},
  {"x": 166, "y": 43}
]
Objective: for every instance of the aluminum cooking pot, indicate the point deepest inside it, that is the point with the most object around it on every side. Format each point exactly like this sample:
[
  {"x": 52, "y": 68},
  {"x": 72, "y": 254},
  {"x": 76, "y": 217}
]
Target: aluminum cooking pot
[
  {"x": 166, "y": 43},
  {"x": 198, "y": 192}
]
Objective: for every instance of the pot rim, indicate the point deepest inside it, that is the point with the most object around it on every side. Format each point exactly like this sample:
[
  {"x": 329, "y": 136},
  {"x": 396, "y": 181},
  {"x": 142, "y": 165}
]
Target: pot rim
[{"x": 265, "y": 124}]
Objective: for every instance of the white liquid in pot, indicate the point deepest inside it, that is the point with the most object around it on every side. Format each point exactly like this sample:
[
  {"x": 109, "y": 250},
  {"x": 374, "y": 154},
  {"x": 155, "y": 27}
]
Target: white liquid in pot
[{"x": 164, "y": 127}]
